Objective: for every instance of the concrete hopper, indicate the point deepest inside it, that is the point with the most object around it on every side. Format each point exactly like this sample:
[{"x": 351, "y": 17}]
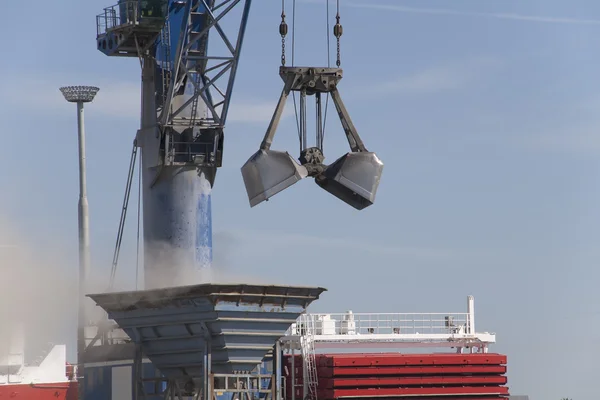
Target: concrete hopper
[{"x": 237, "y": 323}]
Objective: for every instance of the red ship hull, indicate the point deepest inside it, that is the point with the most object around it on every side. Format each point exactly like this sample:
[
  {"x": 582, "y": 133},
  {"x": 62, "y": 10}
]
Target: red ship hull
[
  {"x": 52, "y": 378},
  {"x": 45, "y": 391}
]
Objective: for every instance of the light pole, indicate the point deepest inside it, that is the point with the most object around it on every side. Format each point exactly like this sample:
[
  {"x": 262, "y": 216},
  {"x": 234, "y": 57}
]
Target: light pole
[{"x": 81, "y": 95}]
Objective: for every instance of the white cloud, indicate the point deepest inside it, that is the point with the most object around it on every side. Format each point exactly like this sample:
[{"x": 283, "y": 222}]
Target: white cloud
[
  {"x": 275, "y": 238},
  {"x": 436, "y": 79},
  {"x": 585, "y": 141},
  {"x": 443, "y": 11},
  {"x": 115, "y": 100},
  {"x": 258, "y": 111}
]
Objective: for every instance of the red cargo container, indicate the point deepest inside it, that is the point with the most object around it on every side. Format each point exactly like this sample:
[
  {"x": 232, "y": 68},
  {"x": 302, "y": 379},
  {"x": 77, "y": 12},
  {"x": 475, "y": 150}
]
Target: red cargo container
[
  {"x": 405, "y": 376},
  {"x": 327, "y": 372},
  {"x": 396, "y": 392},
  {"x": 396, "y": 359},
  {"x": 436, "y": 397},
  {"x": 424, "y": 381}
]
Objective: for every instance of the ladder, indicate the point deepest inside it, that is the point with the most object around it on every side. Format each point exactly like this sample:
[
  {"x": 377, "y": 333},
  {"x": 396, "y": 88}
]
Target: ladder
[
  {"x": 194, "y": 112},
  {"x": 194, "y": 14},
  {"x": 308, "y": 356},
  {"x": 166, "y": 64}
]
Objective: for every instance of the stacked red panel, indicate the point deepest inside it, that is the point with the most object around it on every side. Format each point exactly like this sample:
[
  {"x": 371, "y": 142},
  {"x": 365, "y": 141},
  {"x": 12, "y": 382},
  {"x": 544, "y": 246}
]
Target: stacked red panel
[
  {"x": 409, "y": 376},
  {"x": 293, "y": 376}
]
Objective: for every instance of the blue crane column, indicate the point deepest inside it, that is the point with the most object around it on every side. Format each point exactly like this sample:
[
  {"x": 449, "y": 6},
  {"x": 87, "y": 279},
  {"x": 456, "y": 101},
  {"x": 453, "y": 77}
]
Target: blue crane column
[
  {"x": 186, "y": 92},
  {"x": 177, "y": 204}
]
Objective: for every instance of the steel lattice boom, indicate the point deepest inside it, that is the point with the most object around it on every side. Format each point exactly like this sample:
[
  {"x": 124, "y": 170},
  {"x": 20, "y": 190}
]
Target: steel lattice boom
[{"x": 193, "y": 85}]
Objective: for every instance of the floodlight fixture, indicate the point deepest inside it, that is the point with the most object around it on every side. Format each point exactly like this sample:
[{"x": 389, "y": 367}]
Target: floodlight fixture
[{"x": 79, "y": 94}]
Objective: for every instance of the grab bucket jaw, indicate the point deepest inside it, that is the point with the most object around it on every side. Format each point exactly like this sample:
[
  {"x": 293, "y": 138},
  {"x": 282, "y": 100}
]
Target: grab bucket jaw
[
  {"x": 268, "y": 172},
  {"x": 353, "y": 178}
]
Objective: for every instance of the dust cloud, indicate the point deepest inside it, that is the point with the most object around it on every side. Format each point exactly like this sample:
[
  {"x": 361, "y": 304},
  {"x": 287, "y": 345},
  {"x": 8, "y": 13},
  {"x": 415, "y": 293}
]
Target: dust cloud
[
  {"x": 38, "y": 293},
  {"x": 39, "y": 286},
  {"x": 171, "y": 266},
  {"x": 225, "y": 270}
]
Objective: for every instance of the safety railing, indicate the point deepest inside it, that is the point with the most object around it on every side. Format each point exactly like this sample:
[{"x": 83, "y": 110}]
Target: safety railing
[
  {"x": 13, "y": 362},
  {"x": 103, "y": 333},
  {"x": 130, "y": 12},
  {"x": 383, "y": 324},
  {"x": 10, "y": 371},
  {"x": 200, "y": 153},
  {"x": 36, "y": 362},
  {"x": 256, "y": 384}
]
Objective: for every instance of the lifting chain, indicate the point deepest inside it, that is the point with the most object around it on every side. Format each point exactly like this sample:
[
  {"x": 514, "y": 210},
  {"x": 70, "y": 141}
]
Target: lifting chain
[
  {"x": 338, "y": 30},
  {"x": 283, "y": 30}
]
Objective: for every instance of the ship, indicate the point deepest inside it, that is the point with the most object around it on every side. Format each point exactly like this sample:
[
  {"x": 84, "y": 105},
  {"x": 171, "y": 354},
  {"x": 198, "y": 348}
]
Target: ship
[{"x": 50, "y": 378}]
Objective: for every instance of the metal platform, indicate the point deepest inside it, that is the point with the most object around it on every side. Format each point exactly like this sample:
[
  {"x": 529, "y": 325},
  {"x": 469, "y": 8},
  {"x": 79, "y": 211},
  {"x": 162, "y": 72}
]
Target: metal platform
[
  {"x": 129, "y": 27},
  {"x": 390, "y": 331},
  {"x": 236, "y": 324}
]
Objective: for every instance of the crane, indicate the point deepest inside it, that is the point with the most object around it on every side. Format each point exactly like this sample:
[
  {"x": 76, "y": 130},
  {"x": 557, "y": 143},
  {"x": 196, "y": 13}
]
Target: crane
[
  {"x": 187, "y": 87},
  {"x": 189, "y": 65}
]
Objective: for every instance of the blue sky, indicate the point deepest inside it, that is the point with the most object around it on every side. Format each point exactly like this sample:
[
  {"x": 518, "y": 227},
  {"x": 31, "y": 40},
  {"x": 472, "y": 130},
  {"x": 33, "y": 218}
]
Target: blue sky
[{"x": 484, "y": 113}]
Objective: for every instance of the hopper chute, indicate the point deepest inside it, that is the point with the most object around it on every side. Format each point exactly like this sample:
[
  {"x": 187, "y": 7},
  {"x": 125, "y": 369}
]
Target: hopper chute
[{"x": 237, "y": 324}]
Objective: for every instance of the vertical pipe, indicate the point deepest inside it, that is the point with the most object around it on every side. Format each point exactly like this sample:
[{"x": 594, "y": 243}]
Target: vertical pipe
[
  {"x": 277, "y": 370},
  {"x": 303, "y": 119},
  {"x": 471, "y": 311},
  {"x": 319, "y": 129},
  {"x": 137, "y": 373},
  {"x": 205, "y": 373},
  {"x": 84, "y": 250},
  {"x": 209, "y": 383},
  {"x": 293, "y": 385},
  {"x": 177, "y": 222},
  {"x": 303, "y": 339}
]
